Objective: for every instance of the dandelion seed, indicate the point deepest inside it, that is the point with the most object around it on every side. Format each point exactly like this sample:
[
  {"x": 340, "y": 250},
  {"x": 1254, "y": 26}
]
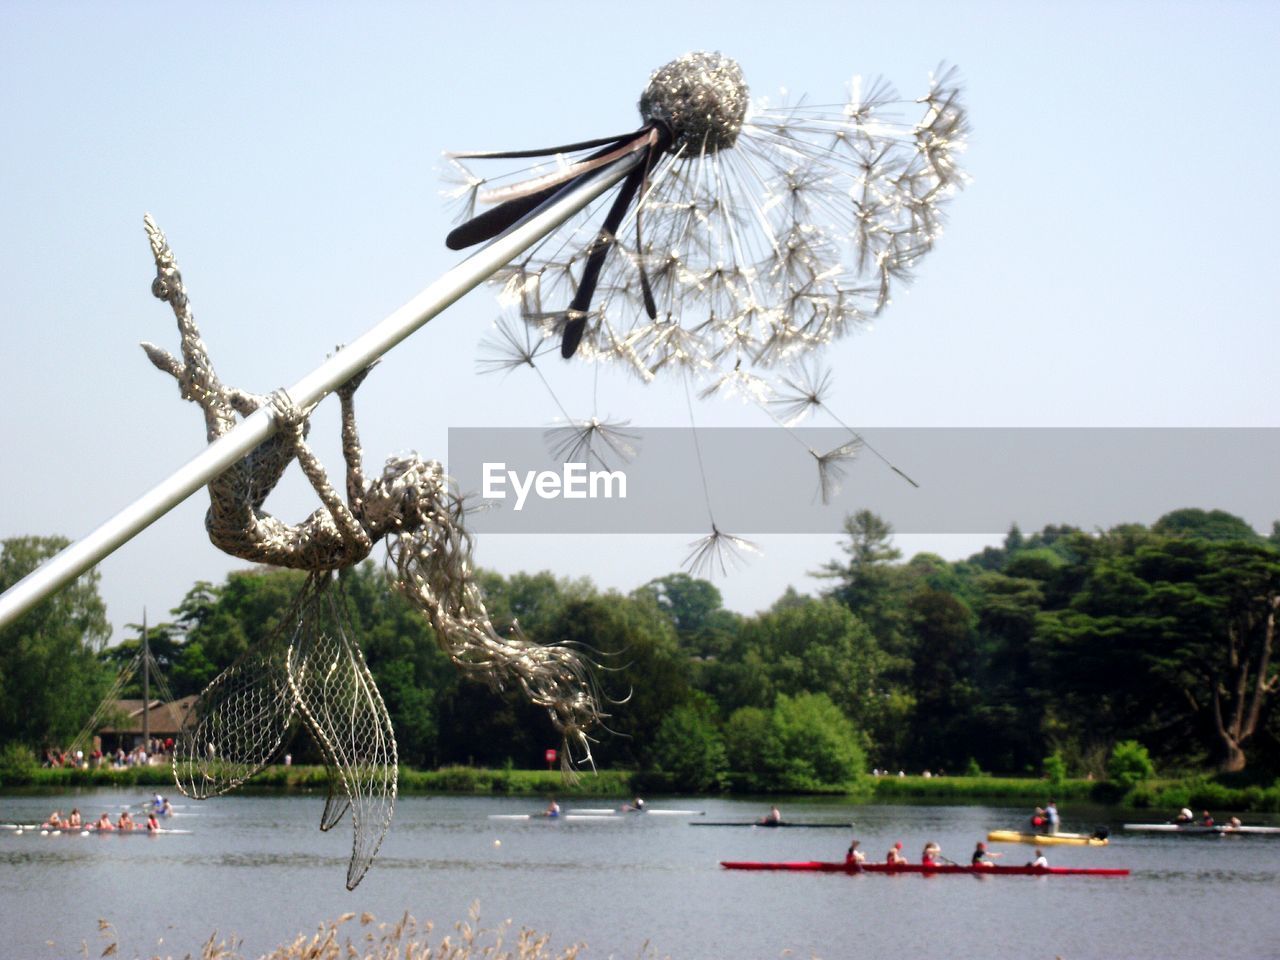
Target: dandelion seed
[
  {"x": 576, "y": 441},
  {"x": 760, "y": 233},
  {"x": 803, "y": 391},
  {"x": 510, "y": 347},
  {"x": 831, "y": 471},
  {"x": 717, "y": 551}
]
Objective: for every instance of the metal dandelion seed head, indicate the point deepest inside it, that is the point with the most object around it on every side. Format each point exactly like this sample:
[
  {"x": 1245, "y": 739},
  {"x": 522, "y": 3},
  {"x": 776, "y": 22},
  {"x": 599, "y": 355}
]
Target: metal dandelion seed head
[{"x": 701, "y": 98}]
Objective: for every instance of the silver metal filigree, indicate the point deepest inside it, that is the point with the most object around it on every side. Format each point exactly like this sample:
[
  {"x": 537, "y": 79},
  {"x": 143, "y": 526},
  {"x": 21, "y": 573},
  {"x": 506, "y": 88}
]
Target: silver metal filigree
[
  {"x": 743, "y": 237},
  {"x": 311, "y": 670}
]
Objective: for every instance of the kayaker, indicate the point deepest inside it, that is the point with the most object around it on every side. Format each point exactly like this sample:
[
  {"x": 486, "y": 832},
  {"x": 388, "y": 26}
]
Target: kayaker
[
  {"x": 635, "y": 806},
  {"x": 126, "y": 821},
  {"x": 73, "y": 820},
  {"x": 773, "y": 816},
  {"x": 153, "y": 824},
  {"x": 853, "y": 854},
  {"x": 54, "y": 822},
  {"x": 104, "y": 823},
  {"x": 981, "y": 858},
  {"x": 1038, "y": 820},
  {"x": 1041, "y": 861},
  {"x": 1184, "y": 816},
  {"x": 553, "y": 809},
  {"x": 1051, "y": 817},
  {"x": 1234, "y": 823},
  {"x": 1206, "y": 819},
  {"x": 167, "y": 809},
  {"x": 931, "y": 853},
  {"x": 895, "y": 854}
]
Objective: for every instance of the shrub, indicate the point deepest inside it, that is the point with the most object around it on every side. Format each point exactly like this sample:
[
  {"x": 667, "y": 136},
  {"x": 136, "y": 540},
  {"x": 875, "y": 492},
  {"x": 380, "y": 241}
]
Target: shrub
[
  {"x": 17, "y": 764},
  {"x": 1129, "y": 765},
  {"x": 689, "y": 749},
  {"x": 1055, "y": 768}
]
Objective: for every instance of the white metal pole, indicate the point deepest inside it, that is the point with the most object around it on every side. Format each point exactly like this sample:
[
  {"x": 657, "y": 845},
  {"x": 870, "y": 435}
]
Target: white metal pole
[{"x": 65, "y": 566}]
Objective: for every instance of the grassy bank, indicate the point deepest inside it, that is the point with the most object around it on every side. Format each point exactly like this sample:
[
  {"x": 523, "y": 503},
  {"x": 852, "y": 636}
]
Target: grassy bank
[
  {"x": 1201, "y": 793},
  {"x": 302, "y": 779}
]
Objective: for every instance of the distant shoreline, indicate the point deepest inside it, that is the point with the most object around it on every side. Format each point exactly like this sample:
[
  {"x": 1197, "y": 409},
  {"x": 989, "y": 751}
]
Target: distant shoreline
[{"x": 1160, "y": 795}]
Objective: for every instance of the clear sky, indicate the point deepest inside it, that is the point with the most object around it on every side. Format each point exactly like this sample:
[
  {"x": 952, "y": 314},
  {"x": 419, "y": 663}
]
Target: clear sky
[{"x": 1113, "y": 262}]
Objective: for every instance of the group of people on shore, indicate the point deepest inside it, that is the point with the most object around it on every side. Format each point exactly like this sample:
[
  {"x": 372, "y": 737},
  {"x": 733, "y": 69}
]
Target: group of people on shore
[{"x": 932, "y": 856}]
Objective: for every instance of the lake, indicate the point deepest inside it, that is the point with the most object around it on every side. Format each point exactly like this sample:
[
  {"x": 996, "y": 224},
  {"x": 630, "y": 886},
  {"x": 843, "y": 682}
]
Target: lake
[{"x": 258, "y": 868}]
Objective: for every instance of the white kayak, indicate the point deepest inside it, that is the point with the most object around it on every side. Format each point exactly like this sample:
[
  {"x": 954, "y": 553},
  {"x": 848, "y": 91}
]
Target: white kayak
[
  {"x": 1199, "y": 829},
  {"x": 543, "y": 816},
  {"x": 606, "y": 811}
]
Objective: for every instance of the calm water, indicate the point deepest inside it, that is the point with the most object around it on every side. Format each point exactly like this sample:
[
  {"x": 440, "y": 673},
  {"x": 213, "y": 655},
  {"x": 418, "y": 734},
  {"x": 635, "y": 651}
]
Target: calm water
[{"x": 258, "y": 868}]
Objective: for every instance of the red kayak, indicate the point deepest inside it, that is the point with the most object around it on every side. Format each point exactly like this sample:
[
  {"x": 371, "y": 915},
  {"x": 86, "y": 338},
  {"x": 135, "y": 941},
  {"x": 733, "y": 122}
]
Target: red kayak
[{"x": 817, "y": 866}]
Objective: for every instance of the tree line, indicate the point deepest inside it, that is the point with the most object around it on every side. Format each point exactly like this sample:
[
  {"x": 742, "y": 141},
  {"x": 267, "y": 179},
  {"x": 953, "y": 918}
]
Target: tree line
[{"x": 1051, "y": 649}]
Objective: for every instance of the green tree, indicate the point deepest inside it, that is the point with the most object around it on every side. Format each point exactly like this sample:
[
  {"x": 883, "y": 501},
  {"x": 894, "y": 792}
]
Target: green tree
[
  {"x": 1216, "y": 525},
  {"x": 820, "y": 747},
  {"x": 1130, "y": 764},
  {"x": 688, "y": 747},
  {"x": 1194, "y": 619},
  {"x": 696, "y": 610},
  {"x": 51, "y": 680}
]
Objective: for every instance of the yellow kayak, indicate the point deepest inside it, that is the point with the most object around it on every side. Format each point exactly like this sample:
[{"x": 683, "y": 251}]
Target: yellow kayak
[{"x": 1013, "y": 836}]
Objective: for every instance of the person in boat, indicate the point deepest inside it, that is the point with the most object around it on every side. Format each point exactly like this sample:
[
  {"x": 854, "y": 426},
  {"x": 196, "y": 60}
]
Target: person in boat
[
  {"x": 1184, "y": 816},
  {"x": 932, "y": 852},
  {"x": 773, "y": 816},
  {"x": 1234, "y": 823},
  {"x": 73, "y": 819},
  {"x": 1041, "y": 861},
  {"x": 104, "y": 824},
  {"x": 853, "y": 854},
  {"x": 126, "y": 821},
  {"x": 1051, "y": 817},
  {"x": 553, "y": 809},
  {"x": 166, "y": 809},
  {"x": 635, "y": 806},
  {"x": 1038, "y": 820},
  {"x": 54, "y": 821},
  {"x": 895, "y": 854},
  {"x": 153, "y": 825},
  {"x": 981, "y": 856},
  {"x": 1206, "y": 818}
]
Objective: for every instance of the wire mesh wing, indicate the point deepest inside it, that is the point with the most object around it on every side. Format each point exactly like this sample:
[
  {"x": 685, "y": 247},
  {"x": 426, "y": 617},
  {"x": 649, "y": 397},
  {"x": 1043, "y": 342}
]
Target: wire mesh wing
[
  {"x": 237, "y": 725},
  {"x": 344, "y": 712}
]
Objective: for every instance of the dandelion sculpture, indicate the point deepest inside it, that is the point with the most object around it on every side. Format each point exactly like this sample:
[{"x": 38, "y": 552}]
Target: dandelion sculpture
[
  {"x": 311, "y": 669},
  {"x": 738, "y": 239},
  {"x": 742, "y": 238}
]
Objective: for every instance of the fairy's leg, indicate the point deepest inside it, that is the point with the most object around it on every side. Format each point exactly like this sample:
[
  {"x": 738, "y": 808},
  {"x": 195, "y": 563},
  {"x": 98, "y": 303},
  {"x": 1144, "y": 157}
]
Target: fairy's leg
[{"x": 195, "y": 375}]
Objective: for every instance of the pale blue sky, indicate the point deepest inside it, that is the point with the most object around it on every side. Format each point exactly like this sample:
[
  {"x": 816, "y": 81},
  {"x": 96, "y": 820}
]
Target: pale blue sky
[{"x": 1112, "y": 263}]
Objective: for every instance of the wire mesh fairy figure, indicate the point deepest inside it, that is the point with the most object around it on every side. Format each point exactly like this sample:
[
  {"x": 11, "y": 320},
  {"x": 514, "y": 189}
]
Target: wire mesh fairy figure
[{"x": 311, "y": 669}]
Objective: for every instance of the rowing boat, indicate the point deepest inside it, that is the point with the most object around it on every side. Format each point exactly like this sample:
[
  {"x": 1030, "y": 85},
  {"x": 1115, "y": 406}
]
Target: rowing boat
[
  {"x": 609, "y": 811},
  {"x": 543, "y": 816},
  {"x": 23, "y": 828},
  {"x": 1046, "y": 839},
  {"x": 816, "y": 866},
  {"x": 1196, "y": 829},
  {"x": 813, "y": 825}
]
